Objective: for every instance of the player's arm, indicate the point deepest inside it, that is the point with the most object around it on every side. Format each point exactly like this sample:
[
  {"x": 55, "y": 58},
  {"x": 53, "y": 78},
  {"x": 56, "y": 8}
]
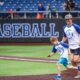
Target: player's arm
[
  {"x": 77, "y": 27},
  {"x": 66, "y": 46},
  {"x": 64, "y": 36},
  {"x": 53, "y": 51},
  {"x": 64, "y": 39},
  {"x": 51, "y": 54}
]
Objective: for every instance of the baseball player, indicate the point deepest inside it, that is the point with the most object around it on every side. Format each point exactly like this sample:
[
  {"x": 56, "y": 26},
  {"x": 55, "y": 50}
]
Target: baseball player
[
  {"x": 71, "y": 32},
  {"x": 62, "y": 49}
]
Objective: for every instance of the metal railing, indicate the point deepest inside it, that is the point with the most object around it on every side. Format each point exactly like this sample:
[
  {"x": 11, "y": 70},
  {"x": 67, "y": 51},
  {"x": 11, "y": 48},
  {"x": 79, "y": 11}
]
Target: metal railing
[{"x": 25, "y": 14}]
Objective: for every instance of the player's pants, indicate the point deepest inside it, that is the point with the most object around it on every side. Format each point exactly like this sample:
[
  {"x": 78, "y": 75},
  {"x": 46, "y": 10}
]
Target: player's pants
[{"x": 63, "y": 61}]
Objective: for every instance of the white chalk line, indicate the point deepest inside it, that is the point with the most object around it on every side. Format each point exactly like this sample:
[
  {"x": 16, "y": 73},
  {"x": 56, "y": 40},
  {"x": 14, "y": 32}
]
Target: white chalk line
[{"x": 25, "y": 59}]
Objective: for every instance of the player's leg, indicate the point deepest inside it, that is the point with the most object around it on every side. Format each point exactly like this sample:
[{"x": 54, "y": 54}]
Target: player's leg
[
  {"x": 62, "y": 61},
  {"x": 58, "y": 76},
  {"x": 76, "y": 60},
  {"x": 72, "y": 57},
  {"x": 79, "y": 60},
  {"x": 58, "y": 66},
  {"x": 65, "y": 63},
  {"x": 76, "y": 55}
]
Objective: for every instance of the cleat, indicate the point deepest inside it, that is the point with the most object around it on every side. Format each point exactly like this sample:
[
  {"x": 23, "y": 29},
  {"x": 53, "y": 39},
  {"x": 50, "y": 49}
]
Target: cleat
[{"x": 57, "y": 77}]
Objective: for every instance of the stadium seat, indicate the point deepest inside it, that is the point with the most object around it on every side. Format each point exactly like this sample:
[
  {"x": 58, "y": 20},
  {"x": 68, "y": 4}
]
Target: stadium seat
[{"x": 32, "y": 5}]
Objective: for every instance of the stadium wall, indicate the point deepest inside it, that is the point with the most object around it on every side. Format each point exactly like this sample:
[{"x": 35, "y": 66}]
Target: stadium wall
[{"x": 31, "y": 30}]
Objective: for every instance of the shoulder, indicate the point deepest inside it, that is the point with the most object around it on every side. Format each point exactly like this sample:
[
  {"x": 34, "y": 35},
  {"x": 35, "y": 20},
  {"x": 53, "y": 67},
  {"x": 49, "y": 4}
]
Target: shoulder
[
  {"x": 75, "y": 25},
  {"x": 64, "y": 44},
  {"x": 54, "y": 49},
  {"x": 64, "y": 26}
]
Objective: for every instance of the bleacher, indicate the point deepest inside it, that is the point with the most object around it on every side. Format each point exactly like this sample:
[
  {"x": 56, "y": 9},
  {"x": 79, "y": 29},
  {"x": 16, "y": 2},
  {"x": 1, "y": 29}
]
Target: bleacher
[
  {"x": 29, "y": 8},
  {"x": 32, "y": 5}
]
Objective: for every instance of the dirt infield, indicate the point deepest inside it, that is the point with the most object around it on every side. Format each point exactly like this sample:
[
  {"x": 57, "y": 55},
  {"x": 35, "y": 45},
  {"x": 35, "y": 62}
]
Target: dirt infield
[
  {"x": 38, "y": 77},
  {"x": 28, "y": 59},
  {"x": 66, "y": 75}
]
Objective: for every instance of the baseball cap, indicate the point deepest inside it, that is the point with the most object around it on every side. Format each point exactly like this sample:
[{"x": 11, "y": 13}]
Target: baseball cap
[{"x": 68, "y": 16}]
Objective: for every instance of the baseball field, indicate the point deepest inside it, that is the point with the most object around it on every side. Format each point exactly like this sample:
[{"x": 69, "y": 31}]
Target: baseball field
[{"x": 29, "y": 63}]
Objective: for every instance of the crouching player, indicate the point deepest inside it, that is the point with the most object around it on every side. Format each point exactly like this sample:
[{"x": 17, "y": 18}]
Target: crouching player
[{"x": 62, "y": 49}]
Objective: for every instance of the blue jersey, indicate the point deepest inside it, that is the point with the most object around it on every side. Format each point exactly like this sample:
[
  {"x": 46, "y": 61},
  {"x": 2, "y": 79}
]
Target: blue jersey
[
  {"x": 62, "y": 49},
  {"x": 73, "y": 35}
]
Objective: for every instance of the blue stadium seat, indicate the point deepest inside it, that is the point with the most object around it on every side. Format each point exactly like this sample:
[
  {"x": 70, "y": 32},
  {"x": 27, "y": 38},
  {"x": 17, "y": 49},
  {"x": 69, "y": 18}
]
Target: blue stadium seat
[{"x": 32, "y": 5}]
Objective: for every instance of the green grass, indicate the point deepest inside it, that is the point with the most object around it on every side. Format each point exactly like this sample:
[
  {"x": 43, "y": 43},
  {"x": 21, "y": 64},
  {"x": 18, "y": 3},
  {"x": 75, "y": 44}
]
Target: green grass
[
  {"x": 12, "y": 68},
  {"x": 17, "y": 68},
  {"x": 26, "y": 51}
]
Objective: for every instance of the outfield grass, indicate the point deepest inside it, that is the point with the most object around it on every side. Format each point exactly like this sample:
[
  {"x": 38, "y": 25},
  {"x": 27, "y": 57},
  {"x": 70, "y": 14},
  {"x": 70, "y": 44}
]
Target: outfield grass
[
  {"x": 26, "y": 51},
  {"x": 12, "y": 68},
  {"x": 17, "y": 68}
]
